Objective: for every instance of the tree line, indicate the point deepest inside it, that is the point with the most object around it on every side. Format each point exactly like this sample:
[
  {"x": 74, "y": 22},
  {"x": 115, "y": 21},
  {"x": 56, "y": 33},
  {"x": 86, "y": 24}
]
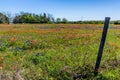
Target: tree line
[{"x": 25, "y": 17}]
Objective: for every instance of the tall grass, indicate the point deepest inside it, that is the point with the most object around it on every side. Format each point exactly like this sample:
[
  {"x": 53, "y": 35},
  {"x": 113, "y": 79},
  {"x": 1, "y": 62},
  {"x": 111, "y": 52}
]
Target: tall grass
[{"x": 56, "y": 52}]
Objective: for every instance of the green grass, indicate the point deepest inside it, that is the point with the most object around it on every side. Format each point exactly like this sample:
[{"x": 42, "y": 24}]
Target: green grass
[{"x": 58, "y": 52}]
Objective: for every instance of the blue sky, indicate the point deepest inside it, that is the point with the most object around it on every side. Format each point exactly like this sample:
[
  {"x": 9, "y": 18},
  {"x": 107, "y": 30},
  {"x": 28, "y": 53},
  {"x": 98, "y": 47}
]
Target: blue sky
[{"x": 70, "y": 9}]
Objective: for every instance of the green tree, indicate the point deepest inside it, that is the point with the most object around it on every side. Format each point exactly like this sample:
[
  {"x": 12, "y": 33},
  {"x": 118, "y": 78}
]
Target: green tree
[
  {"x": 9, "y": 15},
  {"x": 64, "y": 20},
  {"x": 58, "y": 20},
  {"x": 33, "y": 18},
  {"x": 4, "y": 18},
  {"x": 17, "y": 19},
  {"x": 117, "y": 22}
]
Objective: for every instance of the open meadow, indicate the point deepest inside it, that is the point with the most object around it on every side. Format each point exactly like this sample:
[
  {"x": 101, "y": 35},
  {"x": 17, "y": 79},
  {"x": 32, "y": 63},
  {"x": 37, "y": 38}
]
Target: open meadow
[{"x": 57, "y": 51}]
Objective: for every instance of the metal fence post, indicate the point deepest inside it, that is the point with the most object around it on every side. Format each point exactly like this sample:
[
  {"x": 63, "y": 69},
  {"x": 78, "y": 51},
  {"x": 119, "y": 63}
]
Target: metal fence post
[{"x": 98, "y": 60}]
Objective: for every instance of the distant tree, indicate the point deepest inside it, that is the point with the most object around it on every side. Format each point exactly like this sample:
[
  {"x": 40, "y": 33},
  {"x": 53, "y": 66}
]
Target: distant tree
[
  {"x": 37, "y": 18},
  {"x": 45, "y": 18},
  {"x": 64, "y": 20},
  {"x": 33, "y": 18},
  {"x": 17, "y": 19},
  {"x": 117, "y": 22},
  {"x": 9, "y": 15},
  {"x": 3, "y": 18},
  {"x": 58, "y": 20},
  {"x": 50, "y": 18}
]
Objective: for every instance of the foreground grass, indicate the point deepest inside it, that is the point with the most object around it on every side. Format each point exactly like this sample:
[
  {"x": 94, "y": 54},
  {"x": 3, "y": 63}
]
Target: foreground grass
[{"x": 57, "y": 52}]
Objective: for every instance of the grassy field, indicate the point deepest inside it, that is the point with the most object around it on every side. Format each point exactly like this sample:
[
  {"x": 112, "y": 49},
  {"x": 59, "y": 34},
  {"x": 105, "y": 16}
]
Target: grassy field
[{"x": 57, "y": 51}]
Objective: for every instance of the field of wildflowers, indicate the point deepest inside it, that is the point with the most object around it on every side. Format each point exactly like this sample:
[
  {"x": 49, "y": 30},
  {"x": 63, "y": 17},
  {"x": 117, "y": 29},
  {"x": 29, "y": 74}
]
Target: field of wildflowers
[{"x": 57, "y": 51}]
